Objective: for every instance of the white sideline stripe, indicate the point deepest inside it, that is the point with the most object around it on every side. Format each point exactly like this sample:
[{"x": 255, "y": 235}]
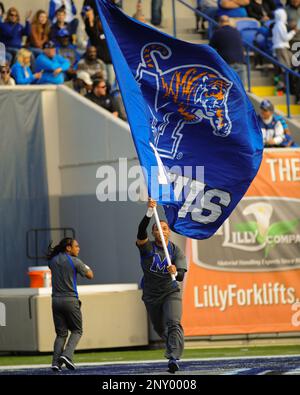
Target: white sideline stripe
[
  {"x": 17, "y": 367},
  {"x": 292, "y": 372},
  {"x": 264, "y": 372},
  {"x": 234, "y": 372}
]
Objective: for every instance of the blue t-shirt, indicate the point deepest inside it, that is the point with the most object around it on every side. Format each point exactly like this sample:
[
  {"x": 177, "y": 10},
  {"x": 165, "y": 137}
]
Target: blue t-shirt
[{"x": 232, "y": 12}]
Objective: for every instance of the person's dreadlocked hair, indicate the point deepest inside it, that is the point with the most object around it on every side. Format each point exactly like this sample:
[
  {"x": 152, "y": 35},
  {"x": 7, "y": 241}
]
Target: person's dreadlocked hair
[{"x": 61, "y": 247}]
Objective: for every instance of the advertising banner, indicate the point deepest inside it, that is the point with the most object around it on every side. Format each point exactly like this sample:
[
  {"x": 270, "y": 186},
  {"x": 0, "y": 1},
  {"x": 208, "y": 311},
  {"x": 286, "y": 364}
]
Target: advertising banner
[{"x": 246, "y": 278}]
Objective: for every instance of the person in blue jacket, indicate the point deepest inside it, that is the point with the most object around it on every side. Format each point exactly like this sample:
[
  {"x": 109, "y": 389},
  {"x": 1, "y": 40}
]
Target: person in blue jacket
[
  {"x": 12, "y": 32},
  {"x": 2, "y": 10},
  {"x": 52, "y": 65},
  {"x": 21, "y": 70}
]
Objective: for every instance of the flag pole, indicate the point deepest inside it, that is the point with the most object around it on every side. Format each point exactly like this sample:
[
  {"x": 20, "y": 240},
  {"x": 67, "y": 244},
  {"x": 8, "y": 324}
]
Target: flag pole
[{"x": 158, "y": 224}]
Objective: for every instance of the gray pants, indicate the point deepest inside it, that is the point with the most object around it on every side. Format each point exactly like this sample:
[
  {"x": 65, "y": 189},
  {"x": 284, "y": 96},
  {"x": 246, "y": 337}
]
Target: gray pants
[
  {"x": 166, "y": 317},
  {"x": 67, "y": 317}
]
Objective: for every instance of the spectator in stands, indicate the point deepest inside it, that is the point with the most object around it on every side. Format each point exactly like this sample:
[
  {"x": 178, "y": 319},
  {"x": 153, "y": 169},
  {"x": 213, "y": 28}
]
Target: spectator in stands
[
  {"x": 92, "y": 4},
  {"x": 271, "y": 127},
  {"x": 40, "y": 31},
  {"x": 118, "y": 101},
  {"x": 70, "y": 12},
  {"x": 59, "y": 25},
  {"x": 2, "y": 11},
  {"x": 100, "y": 96},
  {"x": 53, "y": 66},
  {"x": 83, "y": 83},
  {"x": 8, "y": 56},
  {"x": 288, "y": 139},
  {"x": 68, "y": 51},
  {"x": 262, "y": 10},
  {"x": 227, "y": 41},
  {"x": 91, "y": 64},
  {"x": 208, "y": 7},
  {"x": 281, "y": 38},
  {"x": 293, "y": 14},
  {"x": 233, "y": 8},
  {"x": 156, "y": 12},
  {"x": 88, "y": 4},
  {"x": 21, "y": 70},
  {"x": 99, "y": 76},
  {"x": 12, "y": 32},
  {"x": 139, "y": 15},
  {"x": 293, "y": 11},
  {"x": 5, "y": 76},
  {"x": 94, "y": 30}
]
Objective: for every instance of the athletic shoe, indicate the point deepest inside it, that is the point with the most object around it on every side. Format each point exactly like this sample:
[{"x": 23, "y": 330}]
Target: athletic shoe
[
  {"x": 173, "y": 366},
  {"x": 56, "y": 368},
  {"x": 67, "y": 361}
]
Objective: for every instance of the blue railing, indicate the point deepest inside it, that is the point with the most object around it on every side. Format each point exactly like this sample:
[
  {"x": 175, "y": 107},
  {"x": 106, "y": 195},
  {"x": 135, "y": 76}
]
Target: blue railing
[{"x": 248, "y": 46}]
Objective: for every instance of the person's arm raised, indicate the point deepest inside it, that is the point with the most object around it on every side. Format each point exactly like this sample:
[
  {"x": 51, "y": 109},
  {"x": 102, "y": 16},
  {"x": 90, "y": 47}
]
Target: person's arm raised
[{"x": 142, "y": 236}]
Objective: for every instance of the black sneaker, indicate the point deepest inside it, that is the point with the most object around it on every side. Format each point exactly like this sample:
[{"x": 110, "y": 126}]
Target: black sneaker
[
  {"x": 67, "y": 361},
  {"x": 173, "y": 366},
  {"x": 56, "y": 368}
]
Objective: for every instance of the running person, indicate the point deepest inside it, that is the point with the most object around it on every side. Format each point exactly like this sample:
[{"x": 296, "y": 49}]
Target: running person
[
  {"x": 163, "y": 301},
  {"x": 65, "y": 266}
]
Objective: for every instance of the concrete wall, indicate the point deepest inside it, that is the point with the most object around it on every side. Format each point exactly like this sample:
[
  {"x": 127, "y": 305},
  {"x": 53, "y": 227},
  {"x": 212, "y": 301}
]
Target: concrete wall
[
  {"x": 89, "y": 138},
  {"x": 30, "y": 310},
  {"x": 80, "y": 137}
]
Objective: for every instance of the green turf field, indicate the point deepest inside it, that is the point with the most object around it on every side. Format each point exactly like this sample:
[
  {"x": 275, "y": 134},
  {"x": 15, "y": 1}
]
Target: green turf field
[{"x": 144, "y": 355}]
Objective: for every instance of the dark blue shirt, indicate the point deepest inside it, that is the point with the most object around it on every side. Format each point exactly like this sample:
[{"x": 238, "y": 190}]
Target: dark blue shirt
[
  {"x": 227, "y": 41},
  {"x": 11, "y": 33}
]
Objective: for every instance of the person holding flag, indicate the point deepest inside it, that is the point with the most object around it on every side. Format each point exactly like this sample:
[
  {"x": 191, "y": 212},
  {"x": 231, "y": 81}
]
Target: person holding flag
[
  {"x": 161, "y": 295},
  {"x": 186, "y": 108}
]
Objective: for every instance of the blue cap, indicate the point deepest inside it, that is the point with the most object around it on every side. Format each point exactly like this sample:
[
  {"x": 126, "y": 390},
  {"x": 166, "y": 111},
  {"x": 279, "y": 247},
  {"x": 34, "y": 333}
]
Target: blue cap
[
  {"x": 85, "y": 9},
  {"x": 266, "y": 105}
]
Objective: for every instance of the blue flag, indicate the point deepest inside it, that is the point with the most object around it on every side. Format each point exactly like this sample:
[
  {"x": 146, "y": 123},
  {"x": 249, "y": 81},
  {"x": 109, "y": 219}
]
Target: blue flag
[{"x": 195, "y": 131}]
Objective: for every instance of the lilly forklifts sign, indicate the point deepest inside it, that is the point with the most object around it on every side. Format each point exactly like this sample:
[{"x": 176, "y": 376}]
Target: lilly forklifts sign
[
  {"x": 262, "y": 234},
  {"x": 246, "y": 278}
]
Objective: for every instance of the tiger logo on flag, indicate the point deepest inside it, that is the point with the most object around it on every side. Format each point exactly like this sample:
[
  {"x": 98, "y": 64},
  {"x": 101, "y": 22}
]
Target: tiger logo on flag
[{"x": 184, "y": 95}]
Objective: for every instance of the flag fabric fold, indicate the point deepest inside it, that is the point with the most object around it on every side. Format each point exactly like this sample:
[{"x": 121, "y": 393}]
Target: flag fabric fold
[{"x": 188, "y": 111}]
